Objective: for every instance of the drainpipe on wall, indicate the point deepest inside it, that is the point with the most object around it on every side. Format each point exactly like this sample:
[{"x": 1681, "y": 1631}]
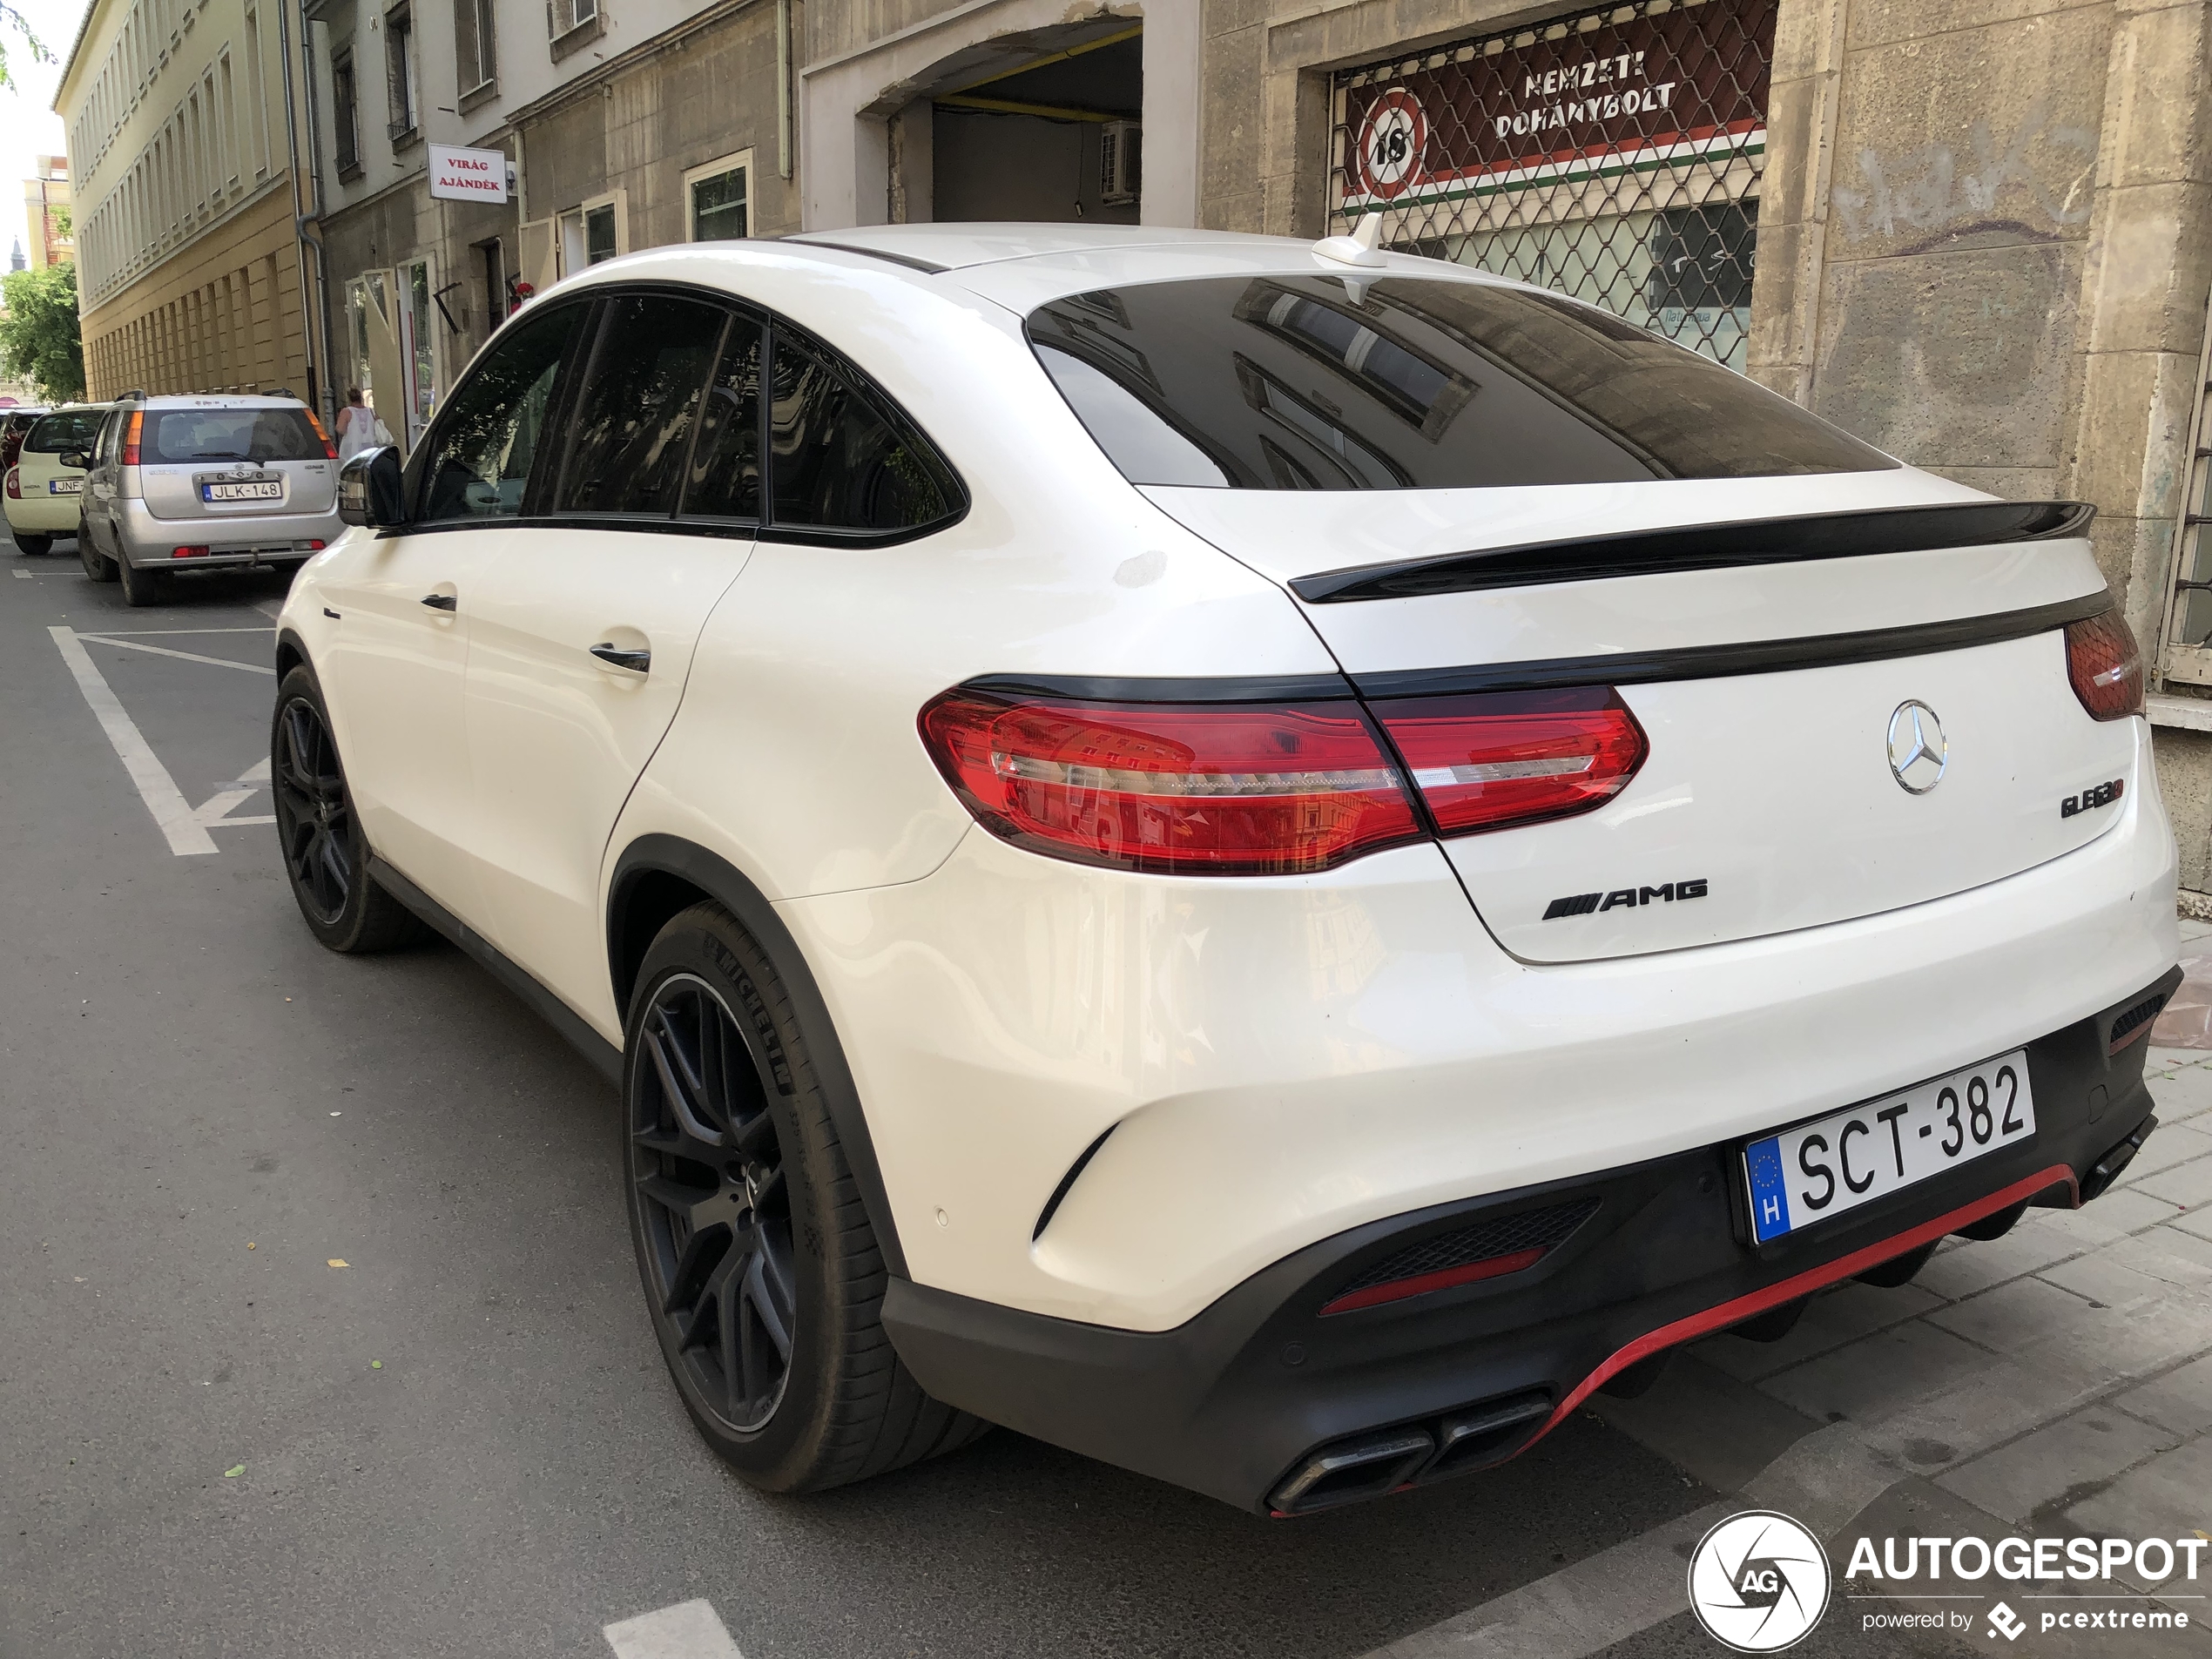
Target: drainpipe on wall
[
  {"x": 783, "y": 88},
  {"x": 299, "y": 218},
  {"x": 330, "y": 393}
]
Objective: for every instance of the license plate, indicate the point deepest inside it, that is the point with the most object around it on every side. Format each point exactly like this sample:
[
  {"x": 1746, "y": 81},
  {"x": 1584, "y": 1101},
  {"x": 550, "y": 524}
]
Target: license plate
[
  {"x": 64, "y": 486},
  {"x": 1822, "y": 1168},
  {"x": 272, "y": 489}
]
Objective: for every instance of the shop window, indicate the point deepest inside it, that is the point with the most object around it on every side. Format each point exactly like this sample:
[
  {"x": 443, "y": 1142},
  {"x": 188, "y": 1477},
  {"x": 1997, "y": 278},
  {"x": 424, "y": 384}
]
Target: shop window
[{"x": 1615, "y": 156}]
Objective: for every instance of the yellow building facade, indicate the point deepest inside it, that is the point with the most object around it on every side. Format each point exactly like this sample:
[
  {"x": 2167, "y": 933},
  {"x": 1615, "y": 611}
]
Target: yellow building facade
[{"x": 188, "y": 254}]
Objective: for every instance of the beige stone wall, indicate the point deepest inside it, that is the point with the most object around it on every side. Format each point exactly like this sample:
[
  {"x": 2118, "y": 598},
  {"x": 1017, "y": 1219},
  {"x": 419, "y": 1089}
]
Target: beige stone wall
[{"x": 222, "y": 315}]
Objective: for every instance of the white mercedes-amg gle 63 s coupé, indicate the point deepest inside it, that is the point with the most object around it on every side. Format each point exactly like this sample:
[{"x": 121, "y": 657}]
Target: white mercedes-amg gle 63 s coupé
[{"x": 1269, "y": 861}]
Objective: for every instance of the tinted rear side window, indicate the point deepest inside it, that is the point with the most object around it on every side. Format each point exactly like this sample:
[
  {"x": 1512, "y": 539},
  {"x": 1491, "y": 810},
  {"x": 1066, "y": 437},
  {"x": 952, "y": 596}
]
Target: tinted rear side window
[
  {"x": 836, "y": 462},
  {"x": 1310, "y": 382},
  {"x": 725, "y": 460},
  {"x": 59, "y": 434},
  {"x": 634, "y": 416},
  {"x": 225, "y": 435}
]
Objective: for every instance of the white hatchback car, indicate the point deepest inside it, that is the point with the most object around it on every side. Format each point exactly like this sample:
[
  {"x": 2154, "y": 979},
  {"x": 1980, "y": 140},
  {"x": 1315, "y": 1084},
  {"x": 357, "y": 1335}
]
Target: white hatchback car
[{"x": 1267, "y": 862}]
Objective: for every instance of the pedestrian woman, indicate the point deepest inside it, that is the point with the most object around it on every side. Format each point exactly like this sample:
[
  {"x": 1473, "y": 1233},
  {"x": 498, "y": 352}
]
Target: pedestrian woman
[{"x": 356, "y": 425}]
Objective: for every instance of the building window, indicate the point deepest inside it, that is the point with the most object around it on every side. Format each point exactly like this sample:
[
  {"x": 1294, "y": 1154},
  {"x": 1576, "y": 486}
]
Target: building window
[
  {"x": 399, "y": 72},
  {"x": 472, "y": 42},
  {"x": 599, "y": 233},
  {"x": 344, "y": 113},
  {"x": 715, "y": 198},
  {"x": 573, "y": 14}
]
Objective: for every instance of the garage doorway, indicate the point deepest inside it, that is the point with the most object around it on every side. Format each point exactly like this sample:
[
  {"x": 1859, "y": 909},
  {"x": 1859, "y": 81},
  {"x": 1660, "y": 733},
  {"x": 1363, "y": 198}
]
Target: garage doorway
[{"x": 1054, "y": 139}]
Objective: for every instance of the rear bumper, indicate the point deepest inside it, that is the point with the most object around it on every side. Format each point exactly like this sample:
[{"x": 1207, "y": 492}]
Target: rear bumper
[
  {"x": 44, "y": 514},
  {"x": 1239, "y": 1401},
  {"x": 145, "y": 540}
]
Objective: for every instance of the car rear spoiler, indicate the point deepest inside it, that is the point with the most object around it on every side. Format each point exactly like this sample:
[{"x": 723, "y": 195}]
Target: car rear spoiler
[{"x": 1703, "y": 547}]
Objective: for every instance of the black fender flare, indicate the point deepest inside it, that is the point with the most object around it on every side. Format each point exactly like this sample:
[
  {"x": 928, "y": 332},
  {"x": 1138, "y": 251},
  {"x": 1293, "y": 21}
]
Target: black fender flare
[{"x": 728, "y": 886}]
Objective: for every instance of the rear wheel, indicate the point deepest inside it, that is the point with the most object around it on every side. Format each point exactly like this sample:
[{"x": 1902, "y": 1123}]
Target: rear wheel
[
  {"x": 33, "y": 545},
  {"x": 141, "y": 587},
  {"x": 761, "y": 1271},
  {"x": 99, "y": 568},
  {"x": 326, "y": 855}
]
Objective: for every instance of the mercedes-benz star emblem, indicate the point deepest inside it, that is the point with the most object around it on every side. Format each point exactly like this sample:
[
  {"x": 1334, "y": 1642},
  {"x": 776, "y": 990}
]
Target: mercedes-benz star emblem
[{"x": 1918, "y": 751}]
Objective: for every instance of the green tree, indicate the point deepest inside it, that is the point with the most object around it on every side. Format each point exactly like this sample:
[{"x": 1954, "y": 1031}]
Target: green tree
[
  {"x": 13, "y": 21},
  {"x": 40, "y": 340}
]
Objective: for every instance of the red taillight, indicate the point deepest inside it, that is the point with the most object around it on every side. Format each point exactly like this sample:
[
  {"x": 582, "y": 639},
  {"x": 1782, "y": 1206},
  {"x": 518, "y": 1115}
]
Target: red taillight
[
  {"x": 315, "y": 546},
  {"x": 187, "y": 552},
  {"x": 1198, "y": 789},
  {"x": 131, "y": 432},
  {"x": 15, "y": 485},
  {"x": 1503, "y": 757},
  {"x": 2106, "y": 668}
]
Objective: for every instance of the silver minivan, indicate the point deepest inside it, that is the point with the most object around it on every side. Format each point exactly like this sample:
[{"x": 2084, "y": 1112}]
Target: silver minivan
[{"x": 185, "y": 483}]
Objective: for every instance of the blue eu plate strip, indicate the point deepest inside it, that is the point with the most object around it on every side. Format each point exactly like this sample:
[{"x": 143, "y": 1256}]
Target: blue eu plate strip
[{"x": 1770, "y": 1198}]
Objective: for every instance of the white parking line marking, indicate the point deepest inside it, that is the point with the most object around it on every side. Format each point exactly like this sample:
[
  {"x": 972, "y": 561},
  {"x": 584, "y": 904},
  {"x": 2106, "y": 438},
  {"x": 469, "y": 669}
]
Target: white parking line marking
[
  {"x": 25, "y": 575},
  {"x": 156, "y": 788},
  {"x": 217, "y": 808},
  {"x": 182, "y": 655},
  {"x": 128, "y": 633},
  {"x": 688, "y": 1631}
]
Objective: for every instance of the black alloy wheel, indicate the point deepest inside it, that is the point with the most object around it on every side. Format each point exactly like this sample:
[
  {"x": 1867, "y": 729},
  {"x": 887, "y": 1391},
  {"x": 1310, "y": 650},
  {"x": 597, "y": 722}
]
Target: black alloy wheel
[
  {"x": 326, "y": 854},
  {"x": 762, "y": 1270},
  {"x": 714, "y": 1207},
  {"x": 314, "y": 819}
]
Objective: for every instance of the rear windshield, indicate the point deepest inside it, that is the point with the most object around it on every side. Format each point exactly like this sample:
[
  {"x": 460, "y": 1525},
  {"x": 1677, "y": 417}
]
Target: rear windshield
[
  {"x": 59, "y": 434},
  {"x": 229, "y": 435},
  {"x": 1315, "y": 383}
]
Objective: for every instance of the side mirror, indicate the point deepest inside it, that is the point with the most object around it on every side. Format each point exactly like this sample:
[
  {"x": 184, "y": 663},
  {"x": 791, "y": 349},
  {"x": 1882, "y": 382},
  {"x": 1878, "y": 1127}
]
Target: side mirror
[
  {"x": 369, "y": 490},
  {"x": 78, "y": 459}
]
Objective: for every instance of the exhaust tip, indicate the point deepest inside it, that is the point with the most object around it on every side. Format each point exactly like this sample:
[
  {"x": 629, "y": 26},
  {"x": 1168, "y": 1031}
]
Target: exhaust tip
[{"x": 1385, "y": 1460}]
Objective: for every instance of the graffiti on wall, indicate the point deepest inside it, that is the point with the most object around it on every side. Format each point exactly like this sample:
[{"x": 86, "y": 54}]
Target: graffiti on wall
[{"x": 2047, "y": 168}]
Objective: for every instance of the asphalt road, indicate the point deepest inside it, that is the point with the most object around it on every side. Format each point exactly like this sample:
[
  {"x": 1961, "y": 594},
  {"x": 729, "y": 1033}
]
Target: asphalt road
[{"x": 462, "y": 1441}]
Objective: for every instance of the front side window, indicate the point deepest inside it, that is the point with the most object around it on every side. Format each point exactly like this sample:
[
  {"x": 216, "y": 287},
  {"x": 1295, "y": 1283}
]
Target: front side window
[
  {"x": 57, "y": 434},
  {"x": 481, "y": 449},
  {"x": 172, "y": 435},
  {"x": 1317, "y": 382},
  {"x": 835, "y": 463},
  {"x": 633, "y": 418}
]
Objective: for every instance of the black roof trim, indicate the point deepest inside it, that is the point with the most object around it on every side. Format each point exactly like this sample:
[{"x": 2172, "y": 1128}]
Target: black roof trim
[
  {"x": 929, "y": 267},
  {"x": 1751, "y": 657},
  {"x": 1702, "y": 547}
]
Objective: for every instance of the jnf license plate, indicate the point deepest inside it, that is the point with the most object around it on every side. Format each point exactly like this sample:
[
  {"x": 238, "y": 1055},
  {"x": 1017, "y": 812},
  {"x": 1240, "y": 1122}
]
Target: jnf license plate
[
  {"x": 64, "y": 486},
  {"x": 1819, "y": 1169},
  {"x": 270, "y": 489}
]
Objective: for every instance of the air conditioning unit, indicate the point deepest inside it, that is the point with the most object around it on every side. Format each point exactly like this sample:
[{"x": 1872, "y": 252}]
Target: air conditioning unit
[{"x": 1121, "y": 157}]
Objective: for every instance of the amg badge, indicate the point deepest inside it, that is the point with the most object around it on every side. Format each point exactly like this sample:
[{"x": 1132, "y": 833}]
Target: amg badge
[
  {"x": 2090, "y": 800},
  {"x": 1581, "y": 904}
]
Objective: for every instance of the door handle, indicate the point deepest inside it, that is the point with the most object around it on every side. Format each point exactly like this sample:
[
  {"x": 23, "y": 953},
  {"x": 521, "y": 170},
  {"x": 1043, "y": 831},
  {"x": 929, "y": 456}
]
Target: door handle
[
  {"x": 636, "y": 661},
  {"x": 440, "y": 601}
]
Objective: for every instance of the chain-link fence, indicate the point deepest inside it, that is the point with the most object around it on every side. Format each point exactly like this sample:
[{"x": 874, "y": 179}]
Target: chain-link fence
[{"x": 1614, "y": 155}]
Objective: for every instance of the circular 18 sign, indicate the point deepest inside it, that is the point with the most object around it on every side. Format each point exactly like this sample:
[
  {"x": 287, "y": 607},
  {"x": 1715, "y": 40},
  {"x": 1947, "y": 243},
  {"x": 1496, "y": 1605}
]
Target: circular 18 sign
[{"x": 1392, "y": 138}]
